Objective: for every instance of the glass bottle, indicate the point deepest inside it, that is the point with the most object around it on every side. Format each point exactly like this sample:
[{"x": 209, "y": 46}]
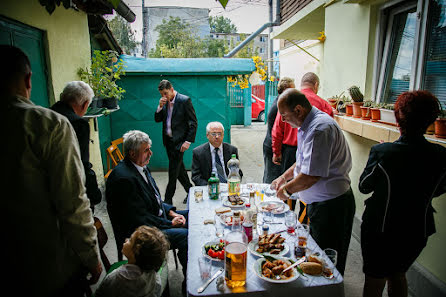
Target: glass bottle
[
  {"x": 213, "y": 186},
  {"x": 234, "y": 176},
  {"x": 236, "y": 254}
]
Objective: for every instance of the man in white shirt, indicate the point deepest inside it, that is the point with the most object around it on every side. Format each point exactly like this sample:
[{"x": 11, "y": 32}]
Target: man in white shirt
[
  {"x": 320, "y": 174},
  {"x": 212, "y": 156}
]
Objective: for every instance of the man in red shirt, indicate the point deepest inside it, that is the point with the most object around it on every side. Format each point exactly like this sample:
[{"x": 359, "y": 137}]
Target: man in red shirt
[{"x": 284, "y": 137}]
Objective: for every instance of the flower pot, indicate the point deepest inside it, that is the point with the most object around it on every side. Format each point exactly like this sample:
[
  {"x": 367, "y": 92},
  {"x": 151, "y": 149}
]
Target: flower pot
[
  {"x": 431, "y": 129},
  {"x": 97, "y": 102},
  {"x": 365, "y": 113},
  {"x": 357, "y": 109},
  {"x": 375, "y": 114},
  {"x": 333, "y": 102},
  {"x": 388, "y": 117},
  {"x": 349, "y": 110},
  {"x": 110, "y": 103},
  {"x": 440, "y": 128}
]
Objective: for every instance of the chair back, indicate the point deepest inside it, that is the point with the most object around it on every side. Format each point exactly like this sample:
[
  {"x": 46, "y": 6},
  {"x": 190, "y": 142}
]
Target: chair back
[
  {"x": 102, "y": 240},
  {"x": 114, "y": 155}
]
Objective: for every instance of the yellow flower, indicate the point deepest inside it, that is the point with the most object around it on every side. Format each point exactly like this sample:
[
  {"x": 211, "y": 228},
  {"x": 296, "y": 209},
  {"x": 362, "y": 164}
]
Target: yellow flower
[{"x": 322, "y": 36}]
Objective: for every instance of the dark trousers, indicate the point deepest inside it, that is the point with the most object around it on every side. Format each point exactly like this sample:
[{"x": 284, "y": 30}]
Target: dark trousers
[
  {"x": 331, "y": 224},
  {"x": 176, "y": 171},
  {"x": 178, "y": 240},
  {"x": 288, "y": 156},
  {"x": 271, "y": 171}
]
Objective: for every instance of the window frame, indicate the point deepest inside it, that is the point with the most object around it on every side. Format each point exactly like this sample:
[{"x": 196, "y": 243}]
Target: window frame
[{"x": 383, "y": 48}]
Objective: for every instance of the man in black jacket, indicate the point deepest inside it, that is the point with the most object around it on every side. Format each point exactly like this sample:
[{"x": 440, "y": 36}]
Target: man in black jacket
[
  {"x": 205, "y": 160},
  {"x": 133, "y": 198},
  {"x": 179, "y": 128},
  {"x": 74, "y": 101}
]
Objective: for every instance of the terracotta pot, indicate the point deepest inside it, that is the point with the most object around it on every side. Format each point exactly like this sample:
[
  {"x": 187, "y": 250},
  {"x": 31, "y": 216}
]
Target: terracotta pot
[
  {"x": 376, "y": 114},
  {"x": 333, "y": 102},
  {"x": 440, "y": 128},
  {"x": 357, "y": 109},
  {"x": 431, "y": 129},
  {"x": 365, "y": 113},
  {"x": 349, "y": 110}
]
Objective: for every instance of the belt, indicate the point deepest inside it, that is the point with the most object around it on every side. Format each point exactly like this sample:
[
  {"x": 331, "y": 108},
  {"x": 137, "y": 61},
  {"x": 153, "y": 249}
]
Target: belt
[{"x": 336, "y": 199}]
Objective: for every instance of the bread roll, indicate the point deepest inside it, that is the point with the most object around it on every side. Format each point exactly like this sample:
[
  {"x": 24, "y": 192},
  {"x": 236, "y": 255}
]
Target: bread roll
[
  {"x": 311, "y": 268},
  {"x": 222, "y": 209}
]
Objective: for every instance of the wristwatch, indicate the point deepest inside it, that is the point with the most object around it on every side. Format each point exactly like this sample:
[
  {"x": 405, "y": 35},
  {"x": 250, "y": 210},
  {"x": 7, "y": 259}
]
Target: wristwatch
[{"x": 286, "y": 193}]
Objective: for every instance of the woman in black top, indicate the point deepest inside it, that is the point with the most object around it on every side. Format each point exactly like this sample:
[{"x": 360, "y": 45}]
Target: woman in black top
[{"x": 404, "y": 176}]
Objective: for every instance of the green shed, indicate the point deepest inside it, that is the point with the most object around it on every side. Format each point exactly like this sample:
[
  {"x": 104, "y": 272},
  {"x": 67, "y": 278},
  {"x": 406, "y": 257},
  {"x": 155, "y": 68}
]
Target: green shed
[{"x": 203, "y": 80}]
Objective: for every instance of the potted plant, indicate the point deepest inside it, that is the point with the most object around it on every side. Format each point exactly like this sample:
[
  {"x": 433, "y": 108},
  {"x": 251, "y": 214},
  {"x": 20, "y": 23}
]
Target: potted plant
[
  {"x": 375, "y": 111},
  {"x": 365, "y": 110},
  {"x": 358, "y": 100},
  {"x": 388, "y": 114},
  {"x": 440, "y": 125},
  {"x": 102, "y": 75},
  {"x": 335, "y": 100}
]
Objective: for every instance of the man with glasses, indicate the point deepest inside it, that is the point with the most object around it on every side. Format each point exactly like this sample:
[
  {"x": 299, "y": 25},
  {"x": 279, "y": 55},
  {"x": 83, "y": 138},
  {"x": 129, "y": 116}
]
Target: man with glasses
[{"x": 212, "y": 156}]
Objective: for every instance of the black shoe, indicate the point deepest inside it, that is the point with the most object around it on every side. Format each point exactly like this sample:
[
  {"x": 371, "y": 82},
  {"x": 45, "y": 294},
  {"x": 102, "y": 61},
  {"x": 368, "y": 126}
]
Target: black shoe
[
  {"x": 185, "y": 200},
  {"x": 183, "y": 287}
]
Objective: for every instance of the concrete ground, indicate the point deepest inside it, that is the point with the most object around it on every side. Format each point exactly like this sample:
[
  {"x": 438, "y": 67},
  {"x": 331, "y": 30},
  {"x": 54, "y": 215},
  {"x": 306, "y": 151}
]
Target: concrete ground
[{"x": 249, "y": 141}]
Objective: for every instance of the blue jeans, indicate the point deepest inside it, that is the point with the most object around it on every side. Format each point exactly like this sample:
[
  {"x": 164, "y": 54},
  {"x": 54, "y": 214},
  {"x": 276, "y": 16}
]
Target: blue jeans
[{"x": 178, "y": 240}]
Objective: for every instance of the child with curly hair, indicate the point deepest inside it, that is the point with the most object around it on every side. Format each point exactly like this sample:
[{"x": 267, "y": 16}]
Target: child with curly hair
[{"x": 146, "y": 251}]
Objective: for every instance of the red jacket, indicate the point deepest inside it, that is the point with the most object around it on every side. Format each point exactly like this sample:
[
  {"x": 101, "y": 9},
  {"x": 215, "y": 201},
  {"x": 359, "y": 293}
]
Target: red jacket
[{"x": 283, "y": 133}]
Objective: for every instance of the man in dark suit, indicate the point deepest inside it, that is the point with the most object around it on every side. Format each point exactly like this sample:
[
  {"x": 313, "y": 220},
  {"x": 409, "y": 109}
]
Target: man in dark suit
[
  {"x": 133, "y": 198},
  {"x": 74, "y": 101},
  {"x": 179, "y": 128},
  {"x": 205, "y": 159}
]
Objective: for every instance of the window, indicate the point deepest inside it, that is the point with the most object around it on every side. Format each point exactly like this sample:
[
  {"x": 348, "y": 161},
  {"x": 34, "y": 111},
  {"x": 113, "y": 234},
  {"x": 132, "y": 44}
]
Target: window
[
  {"x": 261, "y": 50},
  {"x": 412, "y": 49},
  {"x": 262, "y": 38},
  {"x": 212, "y": 35}
]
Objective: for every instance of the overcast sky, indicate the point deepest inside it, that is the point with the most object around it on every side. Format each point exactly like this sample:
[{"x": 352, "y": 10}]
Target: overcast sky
[{"x": 247, "y": 15}]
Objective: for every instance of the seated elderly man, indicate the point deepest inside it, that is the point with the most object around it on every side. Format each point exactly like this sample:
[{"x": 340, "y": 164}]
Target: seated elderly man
[
  {"x": 133, "y": 198},
  {"x": 212, "y": 156}
]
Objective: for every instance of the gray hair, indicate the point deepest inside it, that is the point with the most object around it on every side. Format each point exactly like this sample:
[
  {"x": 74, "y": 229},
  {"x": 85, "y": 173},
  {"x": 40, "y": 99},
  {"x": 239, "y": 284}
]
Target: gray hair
[
  {"x": 133, "y": 140},
  {"x": 77, "y": 92},
  {"x": 284, "y": 83},
  {"x": 213, "y": 124}
]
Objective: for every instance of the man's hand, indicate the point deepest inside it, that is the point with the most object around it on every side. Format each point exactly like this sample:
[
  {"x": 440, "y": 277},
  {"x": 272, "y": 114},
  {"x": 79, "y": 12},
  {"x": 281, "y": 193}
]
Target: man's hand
[
  {"x": 178, "y": 222},
  {"x": 163, "y": 101},
  {"x": 95, "y": 273},
  {"x": 280, "y": 193},
  {"x": 277, "y": 159},
  {"x": 277, "y": 183},
  {"x": 185, "y": 146}
]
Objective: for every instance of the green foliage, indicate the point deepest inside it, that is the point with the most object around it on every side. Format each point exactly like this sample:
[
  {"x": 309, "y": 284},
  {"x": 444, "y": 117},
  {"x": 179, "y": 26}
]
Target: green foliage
[
  {"x": 368, "y": 103},
  {"x": 356, "y": 94},
  {"x": 248, "y": 51},
  {"x": 123, "y": 33},
  {"x": 176, "y": 40},
  {"x": 103, "y": 73},
  {"x": 389, "y": 106},
  {"x": 221, "y": 24}
]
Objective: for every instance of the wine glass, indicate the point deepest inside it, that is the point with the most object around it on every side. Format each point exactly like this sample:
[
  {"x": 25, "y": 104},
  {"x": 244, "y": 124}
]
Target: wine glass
[{"x": 291, "y": 222}]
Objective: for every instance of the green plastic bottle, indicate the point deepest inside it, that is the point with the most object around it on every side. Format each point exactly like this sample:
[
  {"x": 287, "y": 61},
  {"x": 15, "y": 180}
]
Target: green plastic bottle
[{"x": 213, "y": 186}]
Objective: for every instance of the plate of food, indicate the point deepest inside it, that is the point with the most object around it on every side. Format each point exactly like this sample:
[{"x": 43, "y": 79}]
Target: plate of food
[
  {"x": 276, "y": 207},
  {"x": 270, "y": 269},
  {"x": 234, "y": 201},
  {"x": 214, "y": 250},
  {"x": 271, "y": 244},
  {"x": 228, "y": 217}
]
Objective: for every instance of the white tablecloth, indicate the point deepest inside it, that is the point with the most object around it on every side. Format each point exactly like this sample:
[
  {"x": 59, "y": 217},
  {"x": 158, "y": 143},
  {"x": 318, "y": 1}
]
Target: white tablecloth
[{"x": 199, "y": 234}]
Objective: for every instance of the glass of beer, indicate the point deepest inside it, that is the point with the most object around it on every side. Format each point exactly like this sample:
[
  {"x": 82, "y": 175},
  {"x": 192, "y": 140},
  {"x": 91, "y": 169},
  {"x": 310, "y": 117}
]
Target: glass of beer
[
  {"x": 330, "y": 264},
  {"x": 236, "y": 257}
]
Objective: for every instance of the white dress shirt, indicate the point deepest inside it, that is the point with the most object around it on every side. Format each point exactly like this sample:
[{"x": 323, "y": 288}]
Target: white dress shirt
[{"x": 220, "y": 154}]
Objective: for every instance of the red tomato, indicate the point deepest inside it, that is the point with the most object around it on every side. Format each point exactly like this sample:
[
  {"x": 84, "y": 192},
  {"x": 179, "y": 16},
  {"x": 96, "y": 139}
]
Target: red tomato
[
  {"x": 221, "y": 255},
  {"x": 211, "y": 253}
]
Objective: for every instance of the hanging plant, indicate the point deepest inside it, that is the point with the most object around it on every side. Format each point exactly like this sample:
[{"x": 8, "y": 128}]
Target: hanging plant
[{"x": 259, "y": 74}]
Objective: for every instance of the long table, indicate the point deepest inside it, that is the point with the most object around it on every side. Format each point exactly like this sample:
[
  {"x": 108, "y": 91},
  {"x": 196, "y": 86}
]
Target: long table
[{"x": 199, "y": 234}]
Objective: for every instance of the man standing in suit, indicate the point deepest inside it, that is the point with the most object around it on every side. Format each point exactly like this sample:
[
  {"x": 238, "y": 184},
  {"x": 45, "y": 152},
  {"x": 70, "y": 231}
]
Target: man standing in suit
[
  {"x": 133, "y": 198},
  {"x": 177, "y": 113},
  {"x": 73, "y": 104},
  {"x": 212, "y": 156}
]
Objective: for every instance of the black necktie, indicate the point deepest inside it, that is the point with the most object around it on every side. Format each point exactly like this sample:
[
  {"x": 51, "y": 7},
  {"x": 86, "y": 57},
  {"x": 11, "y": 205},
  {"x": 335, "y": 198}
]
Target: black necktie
[
  {"x": 220, "y": 172},
  {"x": 157, "y": 194}
]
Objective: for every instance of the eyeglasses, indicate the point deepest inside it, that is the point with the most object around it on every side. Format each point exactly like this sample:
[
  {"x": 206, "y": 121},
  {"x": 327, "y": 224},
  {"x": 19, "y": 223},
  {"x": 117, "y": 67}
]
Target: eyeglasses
[{"x": 215, "y": 134}]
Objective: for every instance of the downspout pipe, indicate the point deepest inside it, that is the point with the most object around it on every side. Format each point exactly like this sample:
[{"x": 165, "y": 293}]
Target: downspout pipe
[
  {"x": 260, "y": 30},
  {"x": 124, "y": 11}
]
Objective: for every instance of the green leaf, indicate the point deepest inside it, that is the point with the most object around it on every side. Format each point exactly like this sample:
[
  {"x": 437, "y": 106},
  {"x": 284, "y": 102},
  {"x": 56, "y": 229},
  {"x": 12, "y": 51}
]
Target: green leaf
[
  {"x": 223, "y": 3},
  {"x": 269, "y": 258}
]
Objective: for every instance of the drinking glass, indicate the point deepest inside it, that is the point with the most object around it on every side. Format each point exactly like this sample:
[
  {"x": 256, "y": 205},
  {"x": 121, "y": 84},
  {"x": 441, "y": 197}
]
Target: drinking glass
[
  {"x": 204, "y": 265},
  {"x": 219, "y": 228},
  {"x": 198, "y": 194},
  {"x": 267, "y": 217},
  {"x": 290, "y": 222},
  {"x": 330, "y": 264},
  {"x": 302, "y": 235}
]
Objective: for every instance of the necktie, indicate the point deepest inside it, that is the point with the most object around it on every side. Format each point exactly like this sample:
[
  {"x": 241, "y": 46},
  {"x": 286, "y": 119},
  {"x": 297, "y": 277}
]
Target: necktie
[
  {"x": 157, "y": 194},
  {"x": 220, "y": 172}
]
